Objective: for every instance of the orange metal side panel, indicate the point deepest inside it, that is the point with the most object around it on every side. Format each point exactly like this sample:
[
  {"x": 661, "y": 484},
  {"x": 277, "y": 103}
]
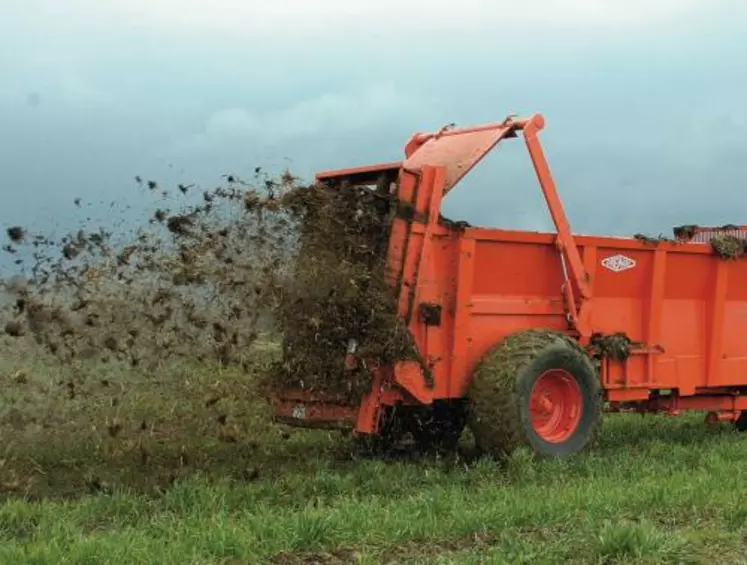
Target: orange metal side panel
[
  {"x": 516, "y": 269},
  {"x": 483, "y": 282},
  {"x": 681, "y": 302},
  {"x": 440, "y": 288},
  {"x": 461, "y": 340}
]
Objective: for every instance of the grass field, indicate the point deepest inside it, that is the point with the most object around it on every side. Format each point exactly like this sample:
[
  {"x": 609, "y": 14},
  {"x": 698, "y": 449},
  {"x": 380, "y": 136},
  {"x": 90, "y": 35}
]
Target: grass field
[{"x": 183, "y": 467}]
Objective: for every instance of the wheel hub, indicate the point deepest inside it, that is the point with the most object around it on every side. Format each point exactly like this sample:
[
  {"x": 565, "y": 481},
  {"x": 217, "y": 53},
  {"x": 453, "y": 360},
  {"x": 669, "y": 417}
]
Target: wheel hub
[{"x": 555, "y": 405}]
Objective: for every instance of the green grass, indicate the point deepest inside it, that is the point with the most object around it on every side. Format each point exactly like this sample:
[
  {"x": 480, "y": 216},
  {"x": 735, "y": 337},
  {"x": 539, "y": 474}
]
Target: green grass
[{"x": 656, "y": 490}]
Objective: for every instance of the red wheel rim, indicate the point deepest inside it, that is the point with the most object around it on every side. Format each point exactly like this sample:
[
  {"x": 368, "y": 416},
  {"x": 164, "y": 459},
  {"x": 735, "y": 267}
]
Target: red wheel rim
[{"x": 555, "y": 405}]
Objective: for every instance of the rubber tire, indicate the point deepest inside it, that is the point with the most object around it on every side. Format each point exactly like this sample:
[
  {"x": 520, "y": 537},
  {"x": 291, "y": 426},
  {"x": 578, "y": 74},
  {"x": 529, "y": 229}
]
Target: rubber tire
[{"x": 500, "y": 388}]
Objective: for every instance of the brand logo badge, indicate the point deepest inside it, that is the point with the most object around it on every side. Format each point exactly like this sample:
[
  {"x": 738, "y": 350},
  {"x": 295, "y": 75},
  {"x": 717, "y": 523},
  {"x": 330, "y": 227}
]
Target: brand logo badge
[{"x": 618, "y": 263}]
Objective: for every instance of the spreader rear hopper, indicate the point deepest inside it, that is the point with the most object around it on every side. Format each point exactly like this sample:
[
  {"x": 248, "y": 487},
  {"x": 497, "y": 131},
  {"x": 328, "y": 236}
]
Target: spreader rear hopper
[{"x": 525, "y": 337}]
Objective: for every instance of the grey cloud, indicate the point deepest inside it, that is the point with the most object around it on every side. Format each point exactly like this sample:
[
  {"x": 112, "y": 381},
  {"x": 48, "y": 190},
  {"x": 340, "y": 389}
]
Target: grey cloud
[{"x": 340, "y": 112}]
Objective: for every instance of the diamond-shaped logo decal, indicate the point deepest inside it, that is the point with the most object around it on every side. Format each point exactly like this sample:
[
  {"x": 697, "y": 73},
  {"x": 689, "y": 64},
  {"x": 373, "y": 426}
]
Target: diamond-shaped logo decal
[{"x": 618, "y": 263}]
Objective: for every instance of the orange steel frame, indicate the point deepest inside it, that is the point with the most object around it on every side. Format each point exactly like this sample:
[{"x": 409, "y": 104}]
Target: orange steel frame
[{"x": 685, "y": 308}]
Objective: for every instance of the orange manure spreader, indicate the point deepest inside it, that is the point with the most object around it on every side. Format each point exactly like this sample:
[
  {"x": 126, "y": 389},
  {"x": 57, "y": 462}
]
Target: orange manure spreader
[{"x": 528, "y": 338}]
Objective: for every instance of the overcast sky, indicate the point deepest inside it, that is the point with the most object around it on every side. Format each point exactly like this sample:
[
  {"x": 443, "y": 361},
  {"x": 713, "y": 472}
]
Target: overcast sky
[{"x": 645, "y": 101}]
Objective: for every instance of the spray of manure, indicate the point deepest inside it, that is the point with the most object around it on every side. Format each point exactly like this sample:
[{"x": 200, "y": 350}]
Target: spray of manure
[{"x": 303, "y": 262}]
